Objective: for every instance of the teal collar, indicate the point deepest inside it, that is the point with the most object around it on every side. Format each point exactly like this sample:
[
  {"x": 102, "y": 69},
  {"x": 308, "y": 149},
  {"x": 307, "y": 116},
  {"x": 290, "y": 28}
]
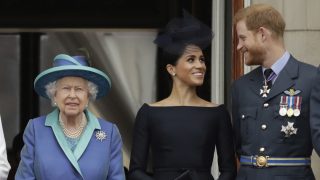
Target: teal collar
[{"x": 52, "y": 120}]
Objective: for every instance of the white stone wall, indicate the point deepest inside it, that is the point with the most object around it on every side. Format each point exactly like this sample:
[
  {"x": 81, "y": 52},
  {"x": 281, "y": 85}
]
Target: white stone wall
[{"x": 302, "y": 36}]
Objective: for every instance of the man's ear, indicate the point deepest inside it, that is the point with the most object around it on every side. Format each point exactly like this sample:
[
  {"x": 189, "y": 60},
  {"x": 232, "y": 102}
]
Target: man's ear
[{"x": 264, "y": 33}]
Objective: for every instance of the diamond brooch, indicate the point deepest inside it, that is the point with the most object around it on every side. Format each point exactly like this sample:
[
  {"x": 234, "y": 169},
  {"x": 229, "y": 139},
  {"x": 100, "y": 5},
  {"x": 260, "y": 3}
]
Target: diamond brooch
[{"x": 101, "y": 135}]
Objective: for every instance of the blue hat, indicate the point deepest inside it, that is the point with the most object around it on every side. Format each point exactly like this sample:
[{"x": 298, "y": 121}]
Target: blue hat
[{"x": 65, "y": 65}]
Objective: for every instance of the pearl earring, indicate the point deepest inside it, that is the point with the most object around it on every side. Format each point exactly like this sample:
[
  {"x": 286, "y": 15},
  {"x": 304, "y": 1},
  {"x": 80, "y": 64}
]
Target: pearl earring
[
  {"x": 173, "y": 74},
  {"x": 55, "y": 104}
]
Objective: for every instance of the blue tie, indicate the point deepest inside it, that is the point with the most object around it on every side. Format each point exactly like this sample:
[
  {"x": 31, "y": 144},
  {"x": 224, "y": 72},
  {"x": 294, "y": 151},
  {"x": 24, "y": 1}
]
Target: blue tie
[{"x": 269, "y": 75}]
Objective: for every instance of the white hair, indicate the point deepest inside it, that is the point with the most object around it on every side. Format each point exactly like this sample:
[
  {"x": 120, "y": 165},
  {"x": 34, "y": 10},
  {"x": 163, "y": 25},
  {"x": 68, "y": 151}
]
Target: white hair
[
  {"x": 93, "y": 90},
  {"x": 51, "y": 89}
]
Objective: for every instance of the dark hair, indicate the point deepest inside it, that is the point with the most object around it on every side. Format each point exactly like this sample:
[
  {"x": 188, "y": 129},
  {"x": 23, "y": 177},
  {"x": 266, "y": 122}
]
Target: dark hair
[
  {"x": 172, "y": 58},
  {"x": 166, "y": 58},
  {"x": 164, "y": 79}
]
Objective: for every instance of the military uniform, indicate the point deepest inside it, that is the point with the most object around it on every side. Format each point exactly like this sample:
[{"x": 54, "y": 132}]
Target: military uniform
[
  {"x": 315, "y": 113},
  {"x": 272, "y": 137}
]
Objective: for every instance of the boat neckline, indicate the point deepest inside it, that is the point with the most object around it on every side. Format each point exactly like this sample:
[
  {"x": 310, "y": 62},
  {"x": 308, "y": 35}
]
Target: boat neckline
[{"x": 220, "y": 105}]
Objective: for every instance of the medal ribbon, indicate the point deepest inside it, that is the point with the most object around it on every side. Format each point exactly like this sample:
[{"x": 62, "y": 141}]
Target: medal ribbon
[
  {"x": 298, "y": 102},
  {"x": 283, "y": 100},
  {"x": 271, "y": 76},
  {"x": 291, "y": 101},
  {"x": 286, "y": 100}
]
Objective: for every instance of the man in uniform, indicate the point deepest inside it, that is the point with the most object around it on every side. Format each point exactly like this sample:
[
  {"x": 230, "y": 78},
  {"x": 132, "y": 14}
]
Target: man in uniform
[
  {"x": 270, "y": 105},
  {"x": 315, "y": 113}
]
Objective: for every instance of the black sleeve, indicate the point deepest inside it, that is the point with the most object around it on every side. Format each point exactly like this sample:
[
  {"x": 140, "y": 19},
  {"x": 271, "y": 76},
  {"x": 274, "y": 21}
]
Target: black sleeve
[
  {"x": 225, "y": 147},
  {"x": 235, "y": 120},
  {"x": 140, "y": 147}
]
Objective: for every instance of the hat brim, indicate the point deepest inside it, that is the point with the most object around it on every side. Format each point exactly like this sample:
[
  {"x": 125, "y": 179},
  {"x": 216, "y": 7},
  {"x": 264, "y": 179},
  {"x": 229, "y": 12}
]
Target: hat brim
[{"x": 91, "y": 74}]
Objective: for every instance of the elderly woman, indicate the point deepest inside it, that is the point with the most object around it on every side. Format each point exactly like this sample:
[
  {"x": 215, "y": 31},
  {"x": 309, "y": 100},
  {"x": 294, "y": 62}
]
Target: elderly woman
[{"x": 70, "y": 142}]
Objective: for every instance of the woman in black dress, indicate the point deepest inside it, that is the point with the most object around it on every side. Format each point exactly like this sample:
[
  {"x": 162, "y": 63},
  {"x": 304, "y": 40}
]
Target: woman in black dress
[{"x": 183, "y": 130}]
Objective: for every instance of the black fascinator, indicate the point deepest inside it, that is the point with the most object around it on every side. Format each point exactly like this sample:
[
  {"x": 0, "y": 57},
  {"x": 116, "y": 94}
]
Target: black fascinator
[{"x": 180, "y": 32}]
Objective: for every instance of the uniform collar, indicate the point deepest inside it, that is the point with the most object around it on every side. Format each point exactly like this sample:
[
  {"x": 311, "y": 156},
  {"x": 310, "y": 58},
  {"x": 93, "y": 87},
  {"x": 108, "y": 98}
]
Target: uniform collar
[{"x": 279, "y": 64}]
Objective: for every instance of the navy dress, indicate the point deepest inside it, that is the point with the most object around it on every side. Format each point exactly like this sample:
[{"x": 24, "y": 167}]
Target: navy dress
[{"x": 182, "y": 140}]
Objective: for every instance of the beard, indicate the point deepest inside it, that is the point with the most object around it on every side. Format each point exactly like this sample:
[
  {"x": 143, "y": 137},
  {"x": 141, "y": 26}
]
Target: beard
[{"x": 254, "y": 56}]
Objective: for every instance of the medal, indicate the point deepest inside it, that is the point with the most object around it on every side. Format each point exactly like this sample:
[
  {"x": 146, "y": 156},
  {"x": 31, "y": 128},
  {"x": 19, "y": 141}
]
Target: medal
[
  {"x": 265, "y": 88},
  {"x": 265, "y": 91},
  {"x": 289, "y": 129},
  {"x": 296, "y": 111},
  {"x": 290, "y": 112},
  {"x": 283, "y": 106},
  {"x": 293, "y": 102},
  {"x": 290, "y": 104},
  {"x": 283, "y": 111}
]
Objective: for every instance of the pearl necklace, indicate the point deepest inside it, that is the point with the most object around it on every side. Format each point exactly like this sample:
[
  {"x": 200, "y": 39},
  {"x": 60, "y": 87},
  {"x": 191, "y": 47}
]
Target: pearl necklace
[{"x": 73, "y": 132}]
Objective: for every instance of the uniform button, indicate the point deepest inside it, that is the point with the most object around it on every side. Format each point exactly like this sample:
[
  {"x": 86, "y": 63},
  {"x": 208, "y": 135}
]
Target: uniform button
[
  {"x": 263, "y": 126},
  {"x": 262, "y": 149},
  {"x": 266, "y": 105},
  {"x": 243, "y": 116}
]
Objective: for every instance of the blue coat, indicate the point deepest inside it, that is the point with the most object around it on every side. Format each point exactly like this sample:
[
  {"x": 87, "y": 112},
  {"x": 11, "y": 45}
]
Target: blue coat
[{"x": 46, "y": 154}]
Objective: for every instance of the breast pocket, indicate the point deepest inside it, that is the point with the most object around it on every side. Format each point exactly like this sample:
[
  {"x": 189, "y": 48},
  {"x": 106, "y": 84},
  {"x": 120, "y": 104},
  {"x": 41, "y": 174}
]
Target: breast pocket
[
  {"x": 248, "y": 122},
  {"x": 300, "y": 123}
]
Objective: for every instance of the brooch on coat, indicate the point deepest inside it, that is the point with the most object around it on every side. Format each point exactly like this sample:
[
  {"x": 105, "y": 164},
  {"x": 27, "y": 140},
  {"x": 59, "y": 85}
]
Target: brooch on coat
[
  {"x": 290, "y": 105},
  {"x": 289, "y": 129},
  {"x": 101, "y": 135}
]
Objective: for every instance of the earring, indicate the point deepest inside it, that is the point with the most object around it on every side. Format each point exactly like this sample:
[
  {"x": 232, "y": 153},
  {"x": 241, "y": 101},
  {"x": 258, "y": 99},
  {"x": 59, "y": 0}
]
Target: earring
[
  {"x": 87, "y": 106},
  {"x": 55, "y": 104},
  {"x": 173, "y": 74}
]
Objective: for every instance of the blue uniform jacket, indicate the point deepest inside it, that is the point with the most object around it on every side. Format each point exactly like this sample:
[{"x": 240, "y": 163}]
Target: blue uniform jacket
[
  {"x": 46, "y": 154},
  {"x": 258, "y": 124},
  {"x": 315, "y": 113}
]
